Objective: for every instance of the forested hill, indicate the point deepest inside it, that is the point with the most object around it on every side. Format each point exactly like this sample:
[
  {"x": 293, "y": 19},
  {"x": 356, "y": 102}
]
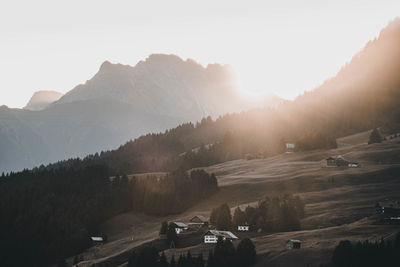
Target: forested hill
[
  {"x": 364, "y": 94},
  {"x": 49, "y": 215}
]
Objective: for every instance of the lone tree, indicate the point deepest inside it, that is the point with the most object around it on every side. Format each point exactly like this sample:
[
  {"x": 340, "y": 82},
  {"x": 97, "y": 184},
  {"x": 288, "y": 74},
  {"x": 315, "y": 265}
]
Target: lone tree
[
  {"x": 224, "y": 218},
  {"x": 246, "y": 253},
  {"x": 375, "y": 136},
  {"x": 239, "y": 217},
  {"x": 213, "y": 216}
]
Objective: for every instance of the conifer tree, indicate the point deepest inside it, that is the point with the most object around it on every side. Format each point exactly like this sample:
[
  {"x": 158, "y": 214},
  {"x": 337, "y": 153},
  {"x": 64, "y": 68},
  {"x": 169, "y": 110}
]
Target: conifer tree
[{"x": 375, "y": 136}]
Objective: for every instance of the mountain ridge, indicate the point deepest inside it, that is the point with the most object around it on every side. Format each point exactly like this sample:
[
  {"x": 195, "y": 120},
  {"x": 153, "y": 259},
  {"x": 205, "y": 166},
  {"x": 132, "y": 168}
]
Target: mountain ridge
[
  {"x": 119, "y": 103},
  {"x": 363, "y": 95}
]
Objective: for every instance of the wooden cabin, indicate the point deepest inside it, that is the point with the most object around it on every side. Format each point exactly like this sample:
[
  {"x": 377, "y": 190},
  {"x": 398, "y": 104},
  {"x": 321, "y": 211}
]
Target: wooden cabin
[{"x": 293, "y": 244}]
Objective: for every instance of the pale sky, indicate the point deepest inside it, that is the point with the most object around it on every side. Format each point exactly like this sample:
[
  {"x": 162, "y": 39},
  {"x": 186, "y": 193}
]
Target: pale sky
[{"x": 283, "y": 46}]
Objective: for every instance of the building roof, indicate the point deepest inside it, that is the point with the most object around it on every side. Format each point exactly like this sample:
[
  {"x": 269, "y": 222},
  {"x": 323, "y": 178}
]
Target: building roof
[
  {"x": 180, "y": 224},
  {"x": 200, "y": 217},
  {"x": 226, "y": 234},
  {"x": 290, "y": 145},
  {"x": 97, "y": 238}
]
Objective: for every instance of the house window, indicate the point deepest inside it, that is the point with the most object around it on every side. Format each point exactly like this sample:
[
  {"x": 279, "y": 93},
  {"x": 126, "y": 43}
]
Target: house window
[{"x": 210, "y": 239}]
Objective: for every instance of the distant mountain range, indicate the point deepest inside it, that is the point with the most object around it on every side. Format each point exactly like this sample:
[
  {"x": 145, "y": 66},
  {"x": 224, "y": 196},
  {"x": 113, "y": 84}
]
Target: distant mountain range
[{"x": 119, "y": 103}]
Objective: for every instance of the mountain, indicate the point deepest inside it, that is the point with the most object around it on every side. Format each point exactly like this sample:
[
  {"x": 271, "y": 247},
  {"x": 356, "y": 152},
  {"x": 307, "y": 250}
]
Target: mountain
[
  {"x": 66, "y": 202},
  {"x": 122, "y": 102},
  {"x": 119, "y": 103},
  {"x": 41, "y": 99},
  {"x": 166, "y": 85},
  {"x": 363, "y": 95}
]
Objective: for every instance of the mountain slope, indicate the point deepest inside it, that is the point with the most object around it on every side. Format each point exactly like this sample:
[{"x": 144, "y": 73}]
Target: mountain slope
[
  {"x": 364, "y": 94},
  {"x": 41, "y": 99},
  {"x": 118, "y": 104}
]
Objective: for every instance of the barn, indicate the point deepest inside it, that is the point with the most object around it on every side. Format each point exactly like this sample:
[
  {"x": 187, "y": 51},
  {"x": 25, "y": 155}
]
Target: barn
[
  {"x": 179, "y": 227},
  {"x": 198, "y": 220},
  {"x": 340, "y": 161}
]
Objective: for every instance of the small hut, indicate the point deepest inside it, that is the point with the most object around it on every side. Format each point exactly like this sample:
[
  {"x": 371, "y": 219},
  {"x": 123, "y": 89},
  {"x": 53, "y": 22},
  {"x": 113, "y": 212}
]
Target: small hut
[{"x": 293, "y": 244}]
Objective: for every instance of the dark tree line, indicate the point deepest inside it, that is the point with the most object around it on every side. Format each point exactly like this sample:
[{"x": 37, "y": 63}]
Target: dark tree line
[
  {"x": 224, "y": 255},
  {"x": 173, "y": 193},
  {"x": 278, "y": 213},
  {"x": 365, "y": 254},
  {"x": 49, "y": 214}
]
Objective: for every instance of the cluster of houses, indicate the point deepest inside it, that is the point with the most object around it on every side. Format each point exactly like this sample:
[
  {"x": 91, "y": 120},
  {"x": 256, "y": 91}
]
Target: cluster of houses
[
  {"x": 340, "y": 161},
  {"x": 211, "y": 236}
]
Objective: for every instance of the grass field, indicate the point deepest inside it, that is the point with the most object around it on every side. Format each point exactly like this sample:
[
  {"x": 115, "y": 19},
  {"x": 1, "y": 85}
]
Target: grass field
[{"x": 342, "y": 209}]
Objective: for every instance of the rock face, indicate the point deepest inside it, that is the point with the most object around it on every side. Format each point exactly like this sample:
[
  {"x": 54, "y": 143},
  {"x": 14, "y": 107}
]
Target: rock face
[
  {"x": 119, "y": 103},
  {"x": 41, "y": 99},
  {"x": 165, "y": 85}
]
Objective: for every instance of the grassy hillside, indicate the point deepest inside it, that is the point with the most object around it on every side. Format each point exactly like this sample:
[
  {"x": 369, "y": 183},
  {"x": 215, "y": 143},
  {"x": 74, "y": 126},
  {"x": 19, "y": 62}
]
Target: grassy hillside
[{"x": 342, "y": 209}]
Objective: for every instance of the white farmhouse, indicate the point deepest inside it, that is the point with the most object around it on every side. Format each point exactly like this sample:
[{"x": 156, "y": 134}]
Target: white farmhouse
[{"x": 211, "y": 236}]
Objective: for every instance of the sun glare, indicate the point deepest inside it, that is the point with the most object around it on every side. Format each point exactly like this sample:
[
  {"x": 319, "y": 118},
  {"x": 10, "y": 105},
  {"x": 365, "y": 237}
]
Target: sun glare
[{"x": 250, "y": 83}]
